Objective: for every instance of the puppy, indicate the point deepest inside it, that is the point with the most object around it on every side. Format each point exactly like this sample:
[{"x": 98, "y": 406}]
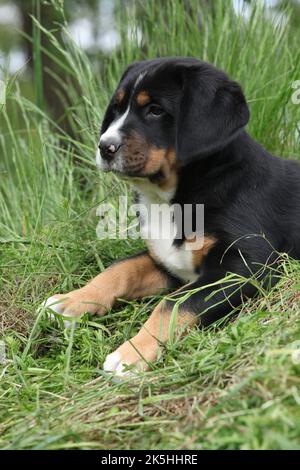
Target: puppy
[{"x": 175, "y": 127}]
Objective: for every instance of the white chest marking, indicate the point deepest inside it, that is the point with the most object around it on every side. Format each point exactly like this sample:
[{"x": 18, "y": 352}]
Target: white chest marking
[
  {"x": 179, "y": 261},
  {"x": 158, "y": 230}
]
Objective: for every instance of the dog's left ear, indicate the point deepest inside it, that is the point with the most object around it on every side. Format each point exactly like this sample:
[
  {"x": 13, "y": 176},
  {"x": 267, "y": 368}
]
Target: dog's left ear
[{"x": 212, "y": 111}]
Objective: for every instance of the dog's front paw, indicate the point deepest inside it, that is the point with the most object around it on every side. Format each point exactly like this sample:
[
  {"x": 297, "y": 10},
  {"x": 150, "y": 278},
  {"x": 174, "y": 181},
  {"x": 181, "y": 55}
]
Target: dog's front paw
[
  {"x": 134, "y": 355},
  {"x": 76, "y": 303}
]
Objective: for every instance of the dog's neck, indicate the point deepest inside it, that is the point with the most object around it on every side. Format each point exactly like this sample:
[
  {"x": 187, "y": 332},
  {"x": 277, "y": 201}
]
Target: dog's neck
[
  {"x": 152, "y": 192},
  {"x": 204, "y": 174}
]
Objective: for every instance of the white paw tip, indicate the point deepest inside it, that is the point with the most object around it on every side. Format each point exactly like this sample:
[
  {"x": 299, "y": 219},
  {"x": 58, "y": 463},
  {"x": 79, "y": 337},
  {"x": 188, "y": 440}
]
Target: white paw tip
[
  {"x": 121, "y": 370},
  {"x": 53, "y": 304},
  {"x": 111, "y": 362}
]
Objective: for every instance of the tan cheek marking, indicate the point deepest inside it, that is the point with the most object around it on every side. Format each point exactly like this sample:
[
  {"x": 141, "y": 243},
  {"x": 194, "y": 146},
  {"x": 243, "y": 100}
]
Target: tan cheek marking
[
  {"x": 120, "y": 96},
  {"x": 202, "y": 250},
  {"x": 170, "y": 171},
  {"x": 163, "y": 161},
  {"x": 171, "y": 156},
  {"x": 135, "y": 149},
  {"x": 142, "y": 98},
  {"x": 155, "y": 160}
]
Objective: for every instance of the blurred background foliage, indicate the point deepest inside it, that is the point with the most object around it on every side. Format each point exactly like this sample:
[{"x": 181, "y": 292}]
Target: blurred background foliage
[{"x": 95, "y": 27}]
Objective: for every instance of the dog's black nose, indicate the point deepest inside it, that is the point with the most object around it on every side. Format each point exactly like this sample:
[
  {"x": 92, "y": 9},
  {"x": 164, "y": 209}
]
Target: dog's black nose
[{"x": 108, "y": 148}]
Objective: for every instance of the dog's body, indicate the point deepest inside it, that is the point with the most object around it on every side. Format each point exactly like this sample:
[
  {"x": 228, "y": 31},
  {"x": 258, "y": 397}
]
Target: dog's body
[{"x": 175, "y": 126}]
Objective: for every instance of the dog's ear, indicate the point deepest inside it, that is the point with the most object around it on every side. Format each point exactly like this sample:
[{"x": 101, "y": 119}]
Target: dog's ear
[{"x": 211, "y": 112}]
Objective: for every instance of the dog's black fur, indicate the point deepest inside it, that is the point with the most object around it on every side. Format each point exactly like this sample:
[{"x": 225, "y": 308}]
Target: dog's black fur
[{"x": 251, "y": 198}]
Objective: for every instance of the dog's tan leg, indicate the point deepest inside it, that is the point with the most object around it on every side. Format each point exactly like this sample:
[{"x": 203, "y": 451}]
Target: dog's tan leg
[
  {"x": 146, "y": 345},
  {"x": 132, "y": 278}
]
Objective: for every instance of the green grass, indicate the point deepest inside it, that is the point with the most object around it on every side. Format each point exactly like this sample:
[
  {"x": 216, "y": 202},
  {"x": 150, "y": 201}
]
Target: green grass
[{"x": 235, "y": 387}]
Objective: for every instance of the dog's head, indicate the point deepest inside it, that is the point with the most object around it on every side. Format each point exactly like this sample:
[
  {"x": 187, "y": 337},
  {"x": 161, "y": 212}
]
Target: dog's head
[{"x": 166, "y": 112}]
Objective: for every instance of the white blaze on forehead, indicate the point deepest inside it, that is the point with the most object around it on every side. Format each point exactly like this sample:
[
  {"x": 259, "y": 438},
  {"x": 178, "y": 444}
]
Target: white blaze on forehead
[
  {"x": 139, "y": 79},
  {"x": 113, "y": 131}
]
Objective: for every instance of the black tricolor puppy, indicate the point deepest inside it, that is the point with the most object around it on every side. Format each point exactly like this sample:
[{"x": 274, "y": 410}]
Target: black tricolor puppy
[{"x": 175, "y": 126}]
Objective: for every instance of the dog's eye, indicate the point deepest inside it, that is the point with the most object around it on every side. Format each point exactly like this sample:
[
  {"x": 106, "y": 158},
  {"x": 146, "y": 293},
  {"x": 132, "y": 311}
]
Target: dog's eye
[{"x": 154, "y": 110}]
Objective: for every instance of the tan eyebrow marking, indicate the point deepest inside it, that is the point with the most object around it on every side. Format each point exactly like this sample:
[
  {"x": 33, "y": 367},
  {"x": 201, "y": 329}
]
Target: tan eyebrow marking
[
  {"x": 143, "y": 98},
  {"x": 120, "y": 96}
]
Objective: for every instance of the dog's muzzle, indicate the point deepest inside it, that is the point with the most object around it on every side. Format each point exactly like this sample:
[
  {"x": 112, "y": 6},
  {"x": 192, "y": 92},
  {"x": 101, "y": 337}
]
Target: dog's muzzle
[{"x": 108, "y": 148}]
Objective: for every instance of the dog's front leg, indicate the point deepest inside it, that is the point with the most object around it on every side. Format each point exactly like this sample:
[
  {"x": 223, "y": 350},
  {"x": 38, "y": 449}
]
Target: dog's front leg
[
  {"x": 208, "y": 301},
  {"x": 131, "y": 278},
  {"x": 145, "y": 347}
]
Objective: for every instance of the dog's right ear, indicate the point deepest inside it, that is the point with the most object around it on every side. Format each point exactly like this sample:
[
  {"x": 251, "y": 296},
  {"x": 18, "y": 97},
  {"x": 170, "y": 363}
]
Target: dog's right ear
[{"x": 212, "y": 111}]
